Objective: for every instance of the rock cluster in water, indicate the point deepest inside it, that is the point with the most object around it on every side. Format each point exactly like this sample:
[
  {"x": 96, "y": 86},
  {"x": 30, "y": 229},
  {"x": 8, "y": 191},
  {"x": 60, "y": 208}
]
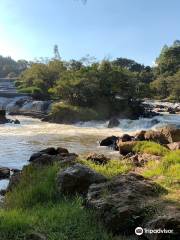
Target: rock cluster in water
[{"x": 4, "y": 120}]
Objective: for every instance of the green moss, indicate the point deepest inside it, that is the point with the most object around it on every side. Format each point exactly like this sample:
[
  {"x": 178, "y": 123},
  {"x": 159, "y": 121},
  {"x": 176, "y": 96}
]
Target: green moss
[
  {"x": 111, "y": 169},
  {"x": 151, "y": 148}
]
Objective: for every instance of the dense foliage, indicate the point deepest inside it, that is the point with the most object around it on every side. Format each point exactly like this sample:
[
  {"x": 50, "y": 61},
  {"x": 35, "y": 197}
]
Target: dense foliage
[
  {"x": 91, "y": 83},
  {"x": 11, "y": 68}
]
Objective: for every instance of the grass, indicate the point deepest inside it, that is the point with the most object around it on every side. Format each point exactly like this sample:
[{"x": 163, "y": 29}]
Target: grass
[
  {"x": 111, "y": 169},
  {"x": 151, "y": 148},
  {"x": 165, "y": 171},
  {"x": 35, "y": 206}
]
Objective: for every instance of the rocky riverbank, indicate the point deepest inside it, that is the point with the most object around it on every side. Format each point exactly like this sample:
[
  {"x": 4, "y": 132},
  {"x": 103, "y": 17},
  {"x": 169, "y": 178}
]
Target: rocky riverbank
[{"x": 139, "y": 189}]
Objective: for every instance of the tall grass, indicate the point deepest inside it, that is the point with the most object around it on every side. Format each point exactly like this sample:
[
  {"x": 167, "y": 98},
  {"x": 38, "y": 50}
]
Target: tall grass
[{"x": 35, "y": 206}]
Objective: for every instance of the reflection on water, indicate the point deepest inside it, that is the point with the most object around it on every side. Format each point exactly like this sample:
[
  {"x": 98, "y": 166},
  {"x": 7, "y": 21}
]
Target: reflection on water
[{"x": 18, "y": 142}]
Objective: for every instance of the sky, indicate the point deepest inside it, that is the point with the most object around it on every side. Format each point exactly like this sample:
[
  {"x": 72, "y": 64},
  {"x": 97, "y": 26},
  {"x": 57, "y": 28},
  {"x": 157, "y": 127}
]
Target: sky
[{"x": 135, "y": 29}]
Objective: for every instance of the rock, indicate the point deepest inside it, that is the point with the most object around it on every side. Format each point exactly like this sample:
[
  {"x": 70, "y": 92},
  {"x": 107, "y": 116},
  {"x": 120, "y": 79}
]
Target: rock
[
  {"x": 172, "y": 134},
  {"x": 109, "y": 141},
  {"x": 164, "y": 222},
  {"x": 16, "y": 121},
  {"x": 174, "y": 146},
  {"x": 61, "y": 150},
  {"x": 43, "y": 159},
  {"x": 114, "y": 122},
  {"x": 3, "y": 118},
  {"x": 156, "y": 136},
  {"x": 126, "y": 147},
  {"x": 77, "y": 179},
  {"x": 140, "y": 136},
  {"x": 35, "y": 155},
  {"x": 35, "y": 236},
  {"x": 4, "y": 173},
  {"x": 97, "y": 158},
  {"x": 49, "y": 151},
  {"x": 171, "y": 110},
  {"x": 122, "y": 202},
  {"x": 14, "y": 180},
  {"x": 126, "y": 138},
  {"x": 140, "y": 159}
]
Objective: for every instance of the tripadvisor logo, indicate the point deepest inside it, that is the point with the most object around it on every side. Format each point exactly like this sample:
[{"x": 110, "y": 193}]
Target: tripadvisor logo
[{"x": 139, "y": 231}]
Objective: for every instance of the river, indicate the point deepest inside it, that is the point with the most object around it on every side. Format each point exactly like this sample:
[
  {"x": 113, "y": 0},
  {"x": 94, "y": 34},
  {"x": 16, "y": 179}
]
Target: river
[{"x": 18, "y": 142}]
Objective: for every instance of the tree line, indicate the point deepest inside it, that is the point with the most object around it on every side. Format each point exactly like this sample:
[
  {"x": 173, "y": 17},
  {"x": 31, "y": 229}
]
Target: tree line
[{"x": 86, "y": 82}]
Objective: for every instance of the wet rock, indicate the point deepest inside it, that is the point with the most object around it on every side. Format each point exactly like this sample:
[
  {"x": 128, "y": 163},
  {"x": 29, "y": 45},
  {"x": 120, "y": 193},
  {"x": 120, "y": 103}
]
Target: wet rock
[
  {"x": 122, "y": 202},
  {"x": 35, "y": 155},
  {"x": 167, "y": 223},
  {"x": 97, "y": 158},
  {"x": 109, "y": 141},
  {"x": 77, "y": 179},
  {"x": 4, "y": 173},
  {"x": 114, "y": 122},
  {"x": 3, "y": 118},
  {"x": 174, "y": 146}
]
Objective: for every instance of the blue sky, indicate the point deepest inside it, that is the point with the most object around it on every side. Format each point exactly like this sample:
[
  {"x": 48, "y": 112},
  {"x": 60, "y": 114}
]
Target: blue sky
[{"x": 134, "y": 29}]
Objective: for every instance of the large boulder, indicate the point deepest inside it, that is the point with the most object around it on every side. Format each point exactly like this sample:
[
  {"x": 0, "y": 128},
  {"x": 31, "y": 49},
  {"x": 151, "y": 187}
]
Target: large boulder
[
  {"x": 140, "y": 136},
  {"x": 4, "y": 173},
  {"x": 122, "y": 202},
  {"x": 114, "y": 122},
  {"x": 77, "y": 179},
  {"x": 98, "y": 158},
  {"x": 174, "y": 146}
]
